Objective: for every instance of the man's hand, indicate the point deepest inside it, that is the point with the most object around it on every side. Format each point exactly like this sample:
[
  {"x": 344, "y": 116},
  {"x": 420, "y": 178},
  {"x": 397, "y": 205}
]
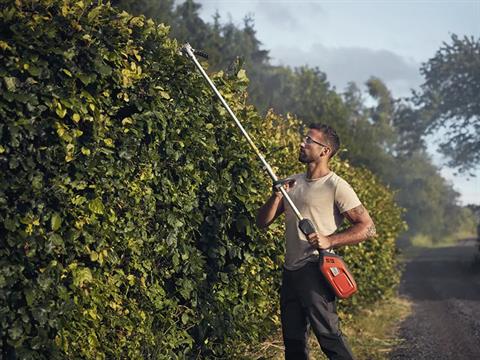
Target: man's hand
[
  {"x": 273, "y": 207},
  {"x": 319, "y": 242},
  {"x": 287, "y": 186}
]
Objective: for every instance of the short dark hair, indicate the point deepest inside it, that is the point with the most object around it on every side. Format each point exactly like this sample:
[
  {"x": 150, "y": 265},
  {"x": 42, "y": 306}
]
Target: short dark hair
[{"x": 331, "y": 136}]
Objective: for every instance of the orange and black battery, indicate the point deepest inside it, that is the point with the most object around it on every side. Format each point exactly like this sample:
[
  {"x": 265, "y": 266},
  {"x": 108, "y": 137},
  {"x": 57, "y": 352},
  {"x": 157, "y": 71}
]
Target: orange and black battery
[{"x": 337, "y": 274}]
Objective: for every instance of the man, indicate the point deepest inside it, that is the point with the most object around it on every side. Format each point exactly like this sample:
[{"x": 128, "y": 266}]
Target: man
[{"x": 325, "y": 198}]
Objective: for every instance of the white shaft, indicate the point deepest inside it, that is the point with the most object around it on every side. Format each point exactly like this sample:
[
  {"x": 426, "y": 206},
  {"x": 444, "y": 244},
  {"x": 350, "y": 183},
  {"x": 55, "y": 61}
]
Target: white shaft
[{"x": 268, "y": 168}]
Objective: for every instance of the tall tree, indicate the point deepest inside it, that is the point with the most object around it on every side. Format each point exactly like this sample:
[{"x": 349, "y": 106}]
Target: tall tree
[
  {"x": 450, "y": 99},
  {"x": 382, "y": 114},
  {"x": 160, "y": 10},
  {"x": 371, "y": 136}
]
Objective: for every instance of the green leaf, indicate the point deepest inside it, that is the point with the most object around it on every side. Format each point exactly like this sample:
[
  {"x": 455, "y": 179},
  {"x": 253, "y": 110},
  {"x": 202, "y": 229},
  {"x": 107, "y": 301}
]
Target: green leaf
[
  {"x": 61, "y": 112},
  {"x": 16, "y": 331},
  {"x": 164, "y": 95},
  {"x": 185, "y": 318},
  {"x": 56, "y": 240},
  {"x": 34, "y": 70},
  {"x": 96, "y": 206},
  {"x": 87, "y": 79},
  {"x": 4, "y": 45},
  {"x": 82, "y": 276},
  {"x": 242, "y": 75},
  {"x": 102, "y": 68},
  {"x": 10, "y": 83},
  {"x": 30, "y": 296},
  {"x": 131, "y": 279},
  {"x": 56, "y": 221},
  {"x": 10, "y": 224},
  {"x": 94, "y": 256}
]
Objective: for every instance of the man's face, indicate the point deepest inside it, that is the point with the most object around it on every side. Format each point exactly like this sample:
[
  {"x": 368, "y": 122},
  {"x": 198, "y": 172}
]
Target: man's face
[{"x": 313, "y": 147}]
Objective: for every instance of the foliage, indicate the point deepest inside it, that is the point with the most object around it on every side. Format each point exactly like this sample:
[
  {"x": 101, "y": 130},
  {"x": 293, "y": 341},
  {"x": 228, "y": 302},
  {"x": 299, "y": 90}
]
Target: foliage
[
  {"x": 128, "y": 197},
  {"x": 380, "y": 137},
  {"x": 431, "y": 197},
  {"x": 163, "y": 10},
  {"x": 392, "y": 150},
  {"x": 229, "y": 47},
  {"x": 450, "y": 99}
]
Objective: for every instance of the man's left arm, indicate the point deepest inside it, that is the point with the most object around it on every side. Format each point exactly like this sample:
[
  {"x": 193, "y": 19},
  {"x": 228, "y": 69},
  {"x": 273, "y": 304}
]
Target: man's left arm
[{"x": 361, "y": 228}]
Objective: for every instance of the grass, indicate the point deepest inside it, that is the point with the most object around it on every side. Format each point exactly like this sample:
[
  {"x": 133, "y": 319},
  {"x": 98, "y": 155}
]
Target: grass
[
  {"x": 372, "y": 333},
  {"x": 425, "y": 241},
  {"x": 419, "y": 243}
]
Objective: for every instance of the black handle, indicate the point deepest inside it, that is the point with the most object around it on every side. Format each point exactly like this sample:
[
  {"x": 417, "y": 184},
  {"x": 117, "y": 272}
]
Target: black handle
[
  {"x": 279, "y": 183},
  {"x": 306, "y": 226},
  {"x": 201, "y": 53},
  {"x": 186, "y": 48}
]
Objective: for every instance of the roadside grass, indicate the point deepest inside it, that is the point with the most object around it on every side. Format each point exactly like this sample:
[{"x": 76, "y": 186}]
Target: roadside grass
[
  {"x": 372, "y": 333},
  {"x": 419, "y": 243},
  {"x": 426, "y": 241}
]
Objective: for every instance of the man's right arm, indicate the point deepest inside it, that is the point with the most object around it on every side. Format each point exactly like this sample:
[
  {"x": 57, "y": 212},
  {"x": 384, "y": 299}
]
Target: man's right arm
[{"x": 270, "y": 210}]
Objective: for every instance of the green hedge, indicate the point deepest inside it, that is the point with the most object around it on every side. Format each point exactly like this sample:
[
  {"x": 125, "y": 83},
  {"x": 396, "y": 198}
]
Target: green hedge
[{"x": 127, "y": 197}]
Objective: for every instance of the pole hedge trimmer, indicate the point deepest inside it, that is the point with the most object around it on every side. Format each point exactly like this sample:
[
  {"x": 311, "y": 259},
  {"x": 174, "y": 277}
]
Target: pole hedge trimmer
[{"x": 332, "y": 266}]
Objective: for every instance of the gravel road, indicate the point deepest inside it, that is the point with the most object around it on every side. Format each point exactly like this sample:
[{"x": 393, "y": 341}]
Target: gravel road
[{"x": 444, "y": 288}]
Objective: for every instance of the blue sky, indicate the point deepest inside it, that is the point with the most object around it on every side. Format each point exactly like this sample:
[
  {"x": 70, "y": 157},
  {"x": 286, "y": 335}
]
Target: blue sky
[{"x": 353, "y": 40}]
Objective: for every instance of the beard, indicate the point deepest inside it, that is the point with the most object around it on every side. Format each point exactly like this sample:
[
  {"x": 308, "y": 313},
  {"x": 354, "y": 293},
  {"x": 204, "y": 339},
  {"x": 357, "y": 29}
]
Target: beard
[{"x": 303, "y": 158}]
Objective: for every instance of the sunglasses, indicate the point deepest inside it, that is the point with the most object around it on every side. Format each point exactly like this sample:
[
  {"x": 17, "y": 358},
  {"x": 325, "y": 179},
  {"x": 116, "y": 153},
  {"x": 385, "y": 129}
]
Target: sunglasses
[{"x": 308, "y": 140}]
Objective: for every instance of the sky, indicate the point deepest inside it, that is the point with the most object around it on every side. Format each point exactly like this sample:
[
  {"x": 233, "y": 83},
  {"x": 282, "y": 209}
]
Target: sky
[{"x": 354, "y": 40}]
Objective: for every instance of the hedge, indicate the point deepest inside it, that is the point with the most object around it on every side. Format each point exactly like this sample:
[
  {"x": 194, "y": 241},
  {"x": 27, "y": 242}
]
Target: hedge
[{"x": 128, "y": 198}]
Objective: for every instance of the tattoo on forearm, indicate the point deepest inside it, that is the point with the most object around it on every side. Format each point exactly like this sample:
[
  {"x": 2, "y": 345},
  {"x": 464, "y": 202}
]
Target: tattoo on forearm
[
  {"x": 371, "y": 231},
  {"x": 353, "y": 213}
]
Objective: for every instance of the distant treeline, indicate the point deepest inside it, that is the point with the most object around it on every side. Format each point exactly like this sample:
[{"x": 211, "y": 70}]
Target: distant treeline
[{"x": 387, "y": 138}]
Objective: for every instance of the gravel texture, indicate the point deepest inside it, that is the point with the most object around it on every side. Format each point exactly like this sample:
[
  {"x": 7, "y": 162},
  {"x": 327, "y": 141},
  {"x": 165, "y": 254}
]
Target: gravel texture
[{"x": 444, "y": 287}]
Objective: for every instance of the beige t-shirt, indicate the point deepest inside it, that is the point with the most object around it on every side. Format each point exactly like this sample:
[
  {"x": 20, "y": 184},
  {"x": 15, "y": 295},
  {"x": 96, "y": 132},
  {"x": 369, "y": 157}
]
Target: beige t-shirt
[{"x": 322, "y": 201}]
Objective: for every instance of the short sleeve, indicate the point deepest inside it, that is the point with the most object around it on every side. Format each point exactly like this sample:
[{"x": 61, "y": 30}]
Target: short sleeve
[{"x": 345, "y": 197}]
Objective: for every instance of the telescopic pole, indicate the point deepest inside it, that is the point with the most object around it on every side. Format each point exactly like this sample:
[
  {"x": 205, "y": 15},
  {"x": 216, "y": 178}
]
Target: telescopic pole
[{"x": 305, "y": 225}]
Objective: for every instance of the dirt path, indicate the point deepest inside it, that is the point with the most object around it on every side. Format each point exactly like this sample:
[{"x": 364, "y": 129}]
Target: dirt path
[{"x": 445, "y": 291}]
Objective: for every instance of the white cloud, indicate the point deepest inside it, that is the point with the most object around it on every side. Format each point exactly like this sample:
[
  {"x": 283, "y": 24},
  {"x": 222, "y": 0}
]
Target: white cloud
[
  {"x": 286, "y": 15},
  {"x": 275, "y": 14},
  {"x": 358, "y": 64}
]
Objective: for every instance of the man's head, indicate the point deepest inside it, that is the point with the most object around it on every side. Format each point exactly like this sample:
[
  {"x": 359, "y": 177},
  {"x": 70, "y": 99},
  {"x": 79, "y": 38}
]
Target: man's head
[{"x": 321, "y": 143}]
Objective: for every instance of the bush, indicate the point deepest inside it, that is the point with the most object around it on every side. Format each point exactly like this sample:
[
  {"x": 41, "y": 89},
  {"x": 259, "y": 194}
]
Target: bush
[{"x": 128, "y": 198}]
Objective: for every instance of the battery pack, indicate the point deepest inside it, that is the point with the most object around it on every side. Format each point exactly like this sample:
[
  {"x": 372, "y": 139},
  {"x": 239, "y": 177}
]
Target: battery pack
[{"x": 337, "y": 275}]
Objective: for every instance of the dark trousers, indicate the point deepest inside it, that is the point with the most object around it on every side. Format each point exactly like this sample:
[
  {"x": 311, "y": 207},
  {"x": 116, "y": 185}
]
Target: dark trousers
[{"x": 306, "y": 300}]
